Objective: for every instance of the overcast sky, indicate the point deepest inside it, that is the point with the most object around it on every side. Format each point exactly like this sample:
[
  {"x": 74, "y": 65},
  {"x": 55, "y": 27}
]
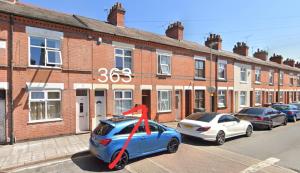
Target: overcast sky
[{"x": 272, "y": 25}]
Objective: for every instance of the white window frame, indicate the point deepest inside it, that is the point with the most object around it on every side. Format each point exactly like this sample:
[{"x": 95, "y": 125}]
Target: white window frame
[
  {"x": 291, "y": 79},
  {"x": 257, "y": 75},
  {"x": 280, "y": 95},
  {"x": 281, "y": 77},
  {"x": 224, "y": 67},
  {"x": 271, "y": 75},
  {"x": 258, "y": 94},
  {"x": 196, "y": 106},
  {"x": 270, "y": 93},
  {"x": 46, "y": 100},
  {"x": 223, "y": 94},
  {"x": 166, "y": 65},
  {"x": 47, "y": 49},
  {"x": 243, "y": 94},
  {"x": 159, "y": 101},
  {"x": 204, "y": 62},
  {"x": 123, "y": 98},
  {"x": 243, "y": 70},
  {"x": 123, "y": 56}
]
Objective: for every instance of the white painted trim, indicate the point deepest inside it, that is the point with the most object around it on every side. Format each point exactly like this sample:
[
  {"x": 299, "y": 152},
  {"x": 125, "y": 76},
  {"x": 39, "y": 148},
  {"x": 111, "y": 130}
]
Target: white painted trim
[
  {"x": 122, "y": 86},
  {"x": 188, "y": 87},
  {"x": 2, "y": 44},
  {"x": 230, "y": 88},
  {"x": 222, "y": 61},
  {"x": 178, "y": 87},
  {"x": 100, "y": 86},
  {"x": 39, "y": 32},
  {"x": 82, "y": 86},
  {"x": 222, "y": 88},
  {"x": 146, "y": 87},
  {"x": 45, "y": 85},
  {"x": 164, "y": 87},
  {"x": 4, "y": 85},
  {"x": 202, "y": 58},
  {"x": 199, "y": 87},
  {"x": 123, "y": 45},
  {"x": 163, "y": 52}
]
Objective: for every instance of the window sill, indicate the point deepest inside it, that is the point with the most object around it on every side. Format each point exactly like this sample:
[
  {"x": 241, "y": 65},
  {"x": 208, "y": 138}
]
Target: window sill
[
  {"x": 243, "y": 82},
  {"x": 45, "y": 67},
  {"x": 258, "y": 83},
  {"x": 257, "y": 104},
  {"x": 222, "y": 80},
  {"x": 271, "y": 84},
  {"x": 243, "y": 106},
  {"x": 199, "y": 78},
  {"x": 162, "y": 112},
  {"x": 163, "y": 76},
  {"x": 45, "y": 121}
]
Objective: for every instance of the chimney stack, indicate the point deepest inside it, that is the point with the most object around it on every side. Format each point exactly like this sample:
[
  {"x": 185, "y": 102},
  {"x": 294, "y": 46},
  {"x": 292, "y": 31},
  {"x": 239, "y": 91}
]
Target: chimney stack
[
  {"x": 175, "y": 30},
  {"x": 215, "y": 41},
  {"x": 297, "y": 65},
  {"x": 10, "y": 1},
  {"x": 289, "y": 62},
  {"x": 241, "y": 48},
  {"x": 276, "y": 58},
  {"x": 261, "y": 54},
  {"x": 116, "y": 15}
]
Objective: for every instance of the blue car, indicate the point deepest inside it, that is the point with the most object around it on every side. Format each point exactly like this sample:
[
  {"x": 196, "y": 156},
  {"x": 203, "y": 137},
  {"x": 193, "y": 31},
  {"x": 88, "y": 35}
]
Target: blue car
[
  {"x": 108, "y": 138},
  {"x": 292, "y": 112}
]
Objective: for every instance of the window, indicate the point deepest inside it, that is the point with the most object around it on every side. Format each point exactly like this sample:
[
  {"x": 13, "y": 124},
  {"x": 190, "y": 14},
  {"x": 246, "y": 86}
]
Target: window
[
  {"x": 205, "y": 117},
  {"x": 103, "y": 129},
  {"x": 291, "y": 80},
  {"x": 123, "y": 101},
  {"x": 298, "y": 81},
  {"x": 127, "y": 130},
  {"x": 226, "y": 118},
  {"x": 270, "y": 97},
  {"x": 199, "y": 99},
  {"x": 243, "y": 98},
  {"x": 153, "y": 127},
  {"x": 222, "y": 98},
  {"x": 164, "y": 64},
  {"x": 45, "y": 52},
  {"x": 257, "y": 75},
  {"x": 243, "y": 74},
  {"x": 281, "y": 75},
  {"x": 44, "y": 105},
  {"x": 271, "y": 77},
  {"x": 164, "y": 101},
  {"x": 222, "y": 70},
  {"x": 199, "y": 69},
  {"x": 258, "y": 97},
  {"x": 123, "y": 58},
  {"x": 280, "y": 96}
]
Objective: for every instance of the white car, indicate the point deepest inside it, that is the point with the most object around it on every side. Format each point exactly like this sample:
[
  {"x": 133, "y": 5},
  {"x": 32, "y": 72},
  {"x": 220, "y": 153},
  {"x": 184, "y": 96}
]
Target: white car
[{"x": 214, "y": 126}]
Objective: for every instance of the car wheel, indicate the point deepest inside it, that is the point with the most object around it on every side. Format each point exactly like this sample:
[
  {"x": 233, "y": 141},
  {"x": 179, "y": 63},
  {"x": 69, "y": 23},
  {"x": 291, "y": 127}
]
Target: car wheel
[
  {"x": 122, "y": 162},
  {"x": 249, "y": 131},
  {"x": 294, "y": 119},
  {"x": 285, "y": 122},
  {"x": 270, "y": 127},
  {"x": 173, "y": 145},
  {"x": 220, "y": 139}
]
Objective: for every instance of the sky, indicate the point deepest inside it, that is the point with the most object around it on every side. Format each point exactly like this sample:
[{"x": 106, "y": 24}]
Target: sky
[{"x": 271, "y": 25}]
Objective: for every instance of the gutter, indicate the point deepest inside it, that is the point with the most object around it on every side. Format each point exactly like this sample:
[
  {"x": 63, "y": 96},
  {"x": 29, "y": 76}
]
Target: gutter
[{"x": 10, "y": 77}]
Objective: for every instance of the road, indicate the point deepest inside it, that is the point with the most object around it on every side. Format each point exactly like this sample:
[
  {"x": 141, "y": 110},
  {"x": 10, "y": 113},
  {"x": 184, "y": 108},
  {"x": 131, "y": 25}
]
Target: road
[{"x": 262, "y": 152}]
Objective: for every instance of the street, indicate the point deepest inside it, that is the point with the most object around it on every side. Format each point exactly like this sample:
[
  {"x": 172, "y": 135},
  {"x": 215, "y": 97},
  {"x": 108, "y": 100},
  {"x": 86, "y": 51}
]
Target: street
[{"x": 281, "y": 146}]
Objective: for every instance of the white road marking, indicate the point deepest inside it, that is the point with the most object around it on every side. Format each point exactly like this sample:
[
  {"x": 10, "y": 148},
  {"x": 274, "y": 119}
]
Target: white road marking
[
  {"x": 259, "y": 166},
  {"x": 159, "y": 165}
]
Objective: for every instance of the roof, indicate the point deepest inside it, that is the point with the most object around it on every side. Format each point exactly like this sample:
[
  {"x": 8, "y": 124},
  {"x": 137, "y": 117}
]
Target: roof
[{"x": 34, "y": 12}]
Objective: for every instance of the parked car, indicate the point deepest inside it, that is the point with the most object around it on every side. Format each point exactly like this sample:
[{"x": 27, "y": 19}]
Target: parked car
[
  {"x": 110, "y": 135},
  {"x": 292, "y": 111},
  {"x": 263, "y": 117},
  {"x": 214, "y": 127}
]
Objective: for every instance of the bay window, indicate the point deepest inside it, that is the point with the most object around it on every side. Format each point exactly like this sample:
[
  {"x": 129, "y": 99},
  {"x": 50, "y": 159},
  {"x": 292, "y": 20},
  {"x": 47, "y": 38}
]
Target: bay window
[
  {"x": 44, "y": 105},
  {"x": 123, "y": 58},
  {"x": 164, "y": 100},
  {"x": 123, "y": 101}
]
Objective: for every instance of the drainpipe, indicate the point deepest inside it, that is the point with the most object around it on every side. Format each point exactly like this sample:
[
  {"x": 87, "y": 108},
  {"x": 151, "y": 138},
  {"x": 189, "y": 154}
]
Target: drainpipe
[{"x": 10, "y": 78}]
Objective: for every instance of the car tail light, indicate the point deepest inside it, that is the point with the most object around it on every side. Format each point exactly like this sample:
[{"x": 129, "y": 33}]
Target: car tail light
[
  {"x": 259, "y": 118},
  {"x": 104, "y": 141},
  {"x": 290, "y": 113},
  {"x": 178, "y": 125},
  {"x": 203, "y": 129}
]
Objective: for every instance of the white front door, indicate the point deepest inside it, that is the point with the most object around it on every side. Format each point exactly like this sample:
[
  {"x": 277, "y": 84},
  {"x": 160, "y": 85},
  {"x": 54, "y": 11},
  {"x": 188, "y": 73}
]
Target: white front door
[
  {"x": 100, "y": 105},
  {"x": 178, "y": 105},
  {"x": 82, "y": 110}
]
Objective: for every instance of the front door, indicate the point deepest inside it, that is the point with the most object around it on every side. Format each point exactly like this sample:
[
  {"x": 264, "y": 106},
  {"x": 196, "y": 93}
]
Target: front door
[
  {"x": 100, "y": 101},
  {"x": 82, "y": 104},
  {"x": 2, "y": 117},
  {"x": 187, "y": 102},
  {"x": 178, "y": 105},
  {"x": 146, "y": 100}
]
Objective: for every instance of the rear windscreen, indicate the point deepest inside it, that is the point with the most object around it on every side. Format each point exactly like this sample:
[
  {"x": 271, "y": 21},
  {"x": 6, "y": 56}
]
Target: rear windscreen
[
  {"x": 103, "y": 129},
  {"x": 253, "y": 111},
  {"x": 205, "y": 117},
  {"x": 281, "y": 107}
]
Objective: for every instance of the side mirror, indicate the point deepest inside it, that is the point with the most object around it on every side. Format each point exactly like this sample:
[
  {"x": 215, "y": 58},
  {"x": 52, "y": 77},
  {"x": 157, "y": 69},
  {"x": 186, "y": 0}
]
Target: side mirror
[
  {"x": 161, "y": 129},
  {"x": 237, "y": 120}
]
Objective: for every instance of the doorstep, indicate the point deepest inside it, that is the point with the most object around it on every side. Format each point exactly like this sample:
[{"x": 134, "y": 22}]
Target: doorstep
[{"x": 32, "y": 152}]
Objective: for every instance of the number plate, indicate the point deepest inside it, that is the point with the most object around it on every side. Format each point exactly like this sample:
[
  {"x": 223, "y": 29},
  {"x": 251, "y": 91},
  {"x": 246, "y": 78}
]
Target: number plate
[{"x": 188, "y": 126}]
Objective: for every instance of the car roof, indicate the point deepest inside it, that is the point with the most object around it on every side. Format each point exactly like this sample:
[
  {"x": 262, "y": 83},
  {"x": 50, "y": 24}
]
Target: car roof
[{"x": 122, "y": 121}]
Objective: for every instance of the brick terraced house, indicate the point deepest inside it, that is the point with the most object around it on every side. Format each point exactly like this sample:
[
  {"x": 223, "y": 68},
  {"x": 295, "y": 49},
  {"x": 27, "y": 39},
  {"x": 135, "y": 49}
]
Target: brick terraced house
[{"x": 53, "y": 77}]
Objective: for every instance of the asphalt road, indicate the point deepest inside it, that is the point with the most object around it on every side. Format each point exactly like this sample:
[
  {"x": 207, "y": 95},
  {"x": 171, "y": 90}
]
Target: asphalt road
[{"x": 262, "y": 152}]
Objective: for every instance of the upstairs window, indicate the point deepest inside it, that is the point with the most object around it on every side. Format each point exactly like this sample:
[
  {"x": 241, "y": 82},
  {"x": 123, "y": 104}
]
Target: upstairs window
[
  {"x": 164, "y": 64},
  {"x": 45, "y": 52},
  {"x": 281, "y": 74},
  {"x": 291, "y": 80},
  {"x": 271, "y": 77},
  {"x": 257, "y": 75},
  {"x": 222, "y": 70},
  {"x": 243, "y": 74},
  {"x": 123, "y": 58},
  {"x": 199, "y": 69},
  {"x": 298, "y": 80}
]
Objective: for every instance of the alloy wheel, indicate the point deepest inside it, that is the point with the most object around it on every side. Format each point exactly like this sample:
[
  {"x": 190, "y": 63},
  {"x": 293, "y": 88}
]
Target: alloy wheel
[
  {"x": 173, "y": 145},
  {"x": 122, "y": 162},
  {"x": 220, "y": 138},
  {"x": 249, "y": 131}
]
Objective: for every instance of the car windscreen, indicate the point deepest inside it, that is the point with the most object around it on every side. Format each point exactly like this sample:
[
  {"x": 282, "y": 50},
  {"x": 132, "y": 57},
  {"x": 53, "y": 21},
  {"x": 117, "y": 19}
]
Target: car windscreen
[
  {"x": 253, "y": 111},
  {"x": 205, "y": 117},
  {"x": 281, "y": 107},
  {"x": 103, "y": 129}
]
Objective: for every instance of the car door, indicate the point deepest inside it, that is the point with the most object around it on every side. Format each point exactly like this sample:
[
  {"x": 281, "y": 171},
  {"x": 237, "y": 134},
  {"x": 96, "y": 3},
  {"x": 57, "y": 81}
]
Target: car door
[
  {"x": 227, "y": 122},
  {"x": 155, "y": 140}
]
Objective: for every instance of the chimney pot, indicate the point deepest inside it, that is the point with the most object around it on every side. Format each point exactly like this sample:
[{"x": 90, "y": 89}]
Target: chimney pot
[
  {"x": 276, "y": 58},
  {"x": 261, "y": 54},
  {"x": 116, "y": 15},
  {"x": 214, "y": 38},
  {"x": 241, "y": 48},
  {"x": 175, "y": 30},
  {"x": 289, "y": 62}
]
